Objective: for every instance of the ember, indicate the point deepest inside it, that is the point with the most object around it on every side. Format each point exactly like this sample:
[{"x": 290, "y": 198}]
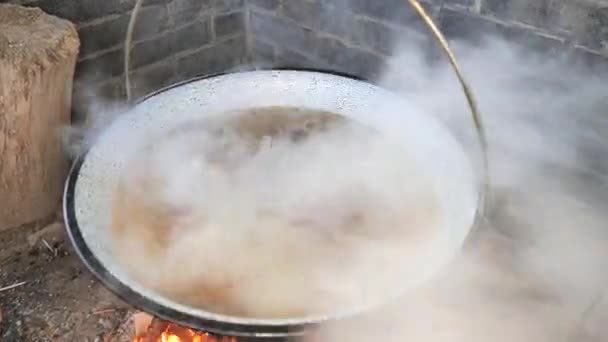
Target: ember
[{"x": 161, "y": 331}]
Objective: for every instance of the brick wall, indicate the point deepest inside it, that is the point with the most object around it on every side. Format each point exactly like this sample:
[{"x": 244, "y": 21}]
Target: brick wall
[
  {"x": 180, "y": 39},
  {"x": 174, "y": 40},
  {"x": 355, "y": 36}
]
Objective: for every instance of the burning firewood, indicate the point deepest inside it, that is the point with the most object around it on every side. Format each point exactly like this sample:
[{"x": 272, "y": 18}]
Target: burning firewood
[
  {"x": 141, "y": 322},
  {"x": 152, "y": 329}
]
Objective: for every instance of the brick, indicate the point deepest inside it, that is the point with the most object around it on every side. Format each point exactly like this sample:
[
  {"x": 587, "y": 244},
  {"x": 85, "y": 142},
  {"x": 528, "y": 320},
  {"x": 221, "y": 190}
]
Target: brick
[
  {"x": 82, "y": 10},
  {"x": 229, "y": 24},
  {"x": 129, "y": 4},
  {"x": 86, "y": 10},
  {"x": 497, "y": 8},
  {"x": 324, "y": 16},
  {"x": 536, "y": 43},
  {"x": 111, "y": 32},
  {"x": 595, "y": 34},
  {"x": 66, "y": 9},
  {"x": 282, "y": 33},
  {"x": 473, "y": 28},
  {"x": 350, "y": 60},
  {"x": 263, "y": 52},
  {"x": 289, "y": 59},
  {"x": 464, "y": 3},
  {"x": 182, "y": 12},
  {"x": 223, "y": 6},
  {"x": 150, "y": 51},
  {"x": 103, "y": 35},
  {"x": 87, "y": 95},
  {"x": 150, "y": 22},
  {"x": 113, "y": 90},
  {"x": 191, "y": 36},
  {"x": 396, "y": 11},
  {"x": 106, "y": 65},
  {"x": 590, "y": 62},
  {"x": 375, "y": 35},
  {"x": 574, "y": 19},
  {"x": 152, "y": 78},
  {"x": 539, "y": 13},
  {"x": 269, "y": 5},
  {"x": 460, "y": 25},
  {"x": 221, "y": 57}
]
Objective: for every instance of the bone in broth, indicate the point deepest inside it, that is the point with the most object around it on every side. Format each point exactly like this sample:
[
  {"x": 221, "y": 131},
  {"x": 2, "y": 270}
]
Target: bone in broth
[{"x": 273, "y": 213}]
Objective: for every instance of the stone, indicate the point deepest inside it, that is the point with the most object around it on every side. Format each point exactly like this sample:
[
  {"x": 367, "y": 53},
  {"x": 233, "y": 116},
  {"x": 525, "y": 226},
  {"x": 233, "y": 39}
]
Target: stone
[{"x": 53, "y": 233}]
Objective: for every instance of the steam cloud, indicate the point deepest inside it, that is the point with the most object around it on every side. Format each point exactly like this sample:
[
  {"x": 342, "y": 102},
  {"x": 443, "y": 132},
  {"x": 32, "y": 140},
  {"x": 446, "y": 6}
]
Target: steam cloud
[
  {"x": 332, "y": 206},
  {"x": 536, "y": 271}
]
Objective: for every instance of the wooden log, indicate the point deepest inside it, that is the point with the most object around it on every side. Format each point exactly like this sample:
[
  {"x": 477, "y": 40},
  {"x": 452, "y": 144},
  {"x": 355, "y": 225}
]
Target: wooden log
[{"x": 37, "y": 60}]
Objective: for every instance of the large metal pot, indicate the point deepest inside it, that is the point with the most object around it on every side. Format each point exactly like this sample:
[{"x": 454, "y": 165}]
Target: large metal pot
[{"x": 87, "y": 198}]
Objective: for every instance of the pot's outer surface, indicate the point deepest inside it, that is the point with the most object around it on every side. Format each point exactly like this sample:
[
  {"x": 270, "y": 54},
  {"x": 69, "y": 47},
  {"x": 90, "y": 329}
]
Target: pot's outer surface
[{"x": 88, "y": 192}]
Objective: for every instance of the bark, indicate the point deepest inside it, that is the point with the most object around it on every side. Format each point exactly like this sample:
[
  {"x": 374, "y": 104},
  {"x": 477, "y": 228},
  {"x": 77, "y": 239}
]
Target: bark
[{"x": 37, "y": 60}]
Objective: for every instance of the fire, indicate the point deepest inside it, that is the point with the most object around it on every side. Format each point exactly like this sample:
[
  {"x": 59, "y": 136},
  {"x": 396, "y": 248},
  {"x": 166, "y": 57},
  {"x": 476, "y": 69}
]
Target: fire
[{"x": 175, "y": 333}]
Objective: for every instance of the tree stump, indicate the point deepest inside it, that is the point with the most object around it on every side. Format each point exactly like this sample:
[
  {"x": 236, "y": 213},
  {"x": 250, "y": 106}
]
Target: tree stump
[{"x": 37, "y": 60}]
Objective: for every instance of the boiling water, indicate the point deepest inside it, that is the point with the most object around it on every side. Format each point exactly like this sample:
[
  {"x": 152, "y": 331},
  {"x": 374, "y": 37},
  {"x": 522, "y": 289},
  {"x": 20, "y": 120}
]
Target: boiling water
[{"x": 274, "y": 213}]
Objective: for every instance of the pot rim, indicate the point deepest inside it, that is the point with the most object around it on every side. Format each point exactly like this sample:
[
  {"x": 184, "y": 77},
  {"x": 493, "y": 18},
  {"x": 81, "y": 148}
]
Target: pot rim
[
  {"x": 148, "y": 305},
  {"x": 273, "y": 328}
]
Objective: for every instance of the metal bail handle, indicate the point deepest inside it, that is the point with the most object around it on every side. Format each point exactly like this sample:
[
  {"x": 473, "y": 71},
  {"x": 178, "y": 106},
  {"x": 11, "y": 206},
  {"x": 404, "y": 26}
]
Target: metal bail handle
[
  {"x": 479, "y": 128},
  {"x": 468, "y": 93}
]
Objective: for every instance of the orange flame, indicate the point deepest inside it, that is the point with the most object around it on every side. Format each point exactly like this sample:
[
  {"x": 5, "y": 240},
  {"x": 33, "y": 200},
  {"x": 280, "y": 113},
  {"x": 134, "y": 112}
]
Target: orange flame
[{"x": 174, "y": 333}]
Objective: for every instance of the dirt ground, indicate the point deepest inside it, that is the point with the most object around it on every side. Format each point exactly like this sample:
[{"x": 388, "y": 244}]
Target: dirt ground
[{"x": 56, "y": 298}]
